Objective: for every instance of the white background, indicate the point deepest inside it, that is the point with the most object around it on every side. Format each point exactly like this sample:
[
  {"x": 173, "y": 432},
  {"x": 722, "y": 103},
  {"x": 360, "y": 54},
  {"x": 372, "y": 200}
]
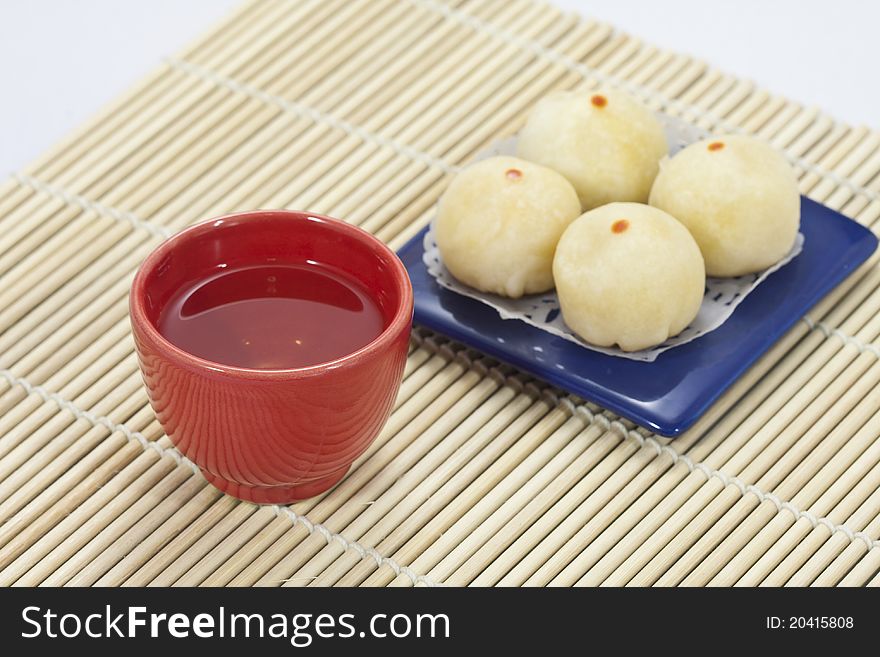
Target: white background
[{"x": 62, "y": 60}]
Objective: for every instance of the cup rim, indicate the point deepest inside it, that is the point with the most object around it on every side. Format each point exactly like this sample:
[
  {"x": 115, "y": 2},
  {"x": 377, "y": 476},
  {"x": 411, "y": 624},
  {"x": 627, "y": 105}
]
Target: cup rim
[{"x": 401, "y": 320}]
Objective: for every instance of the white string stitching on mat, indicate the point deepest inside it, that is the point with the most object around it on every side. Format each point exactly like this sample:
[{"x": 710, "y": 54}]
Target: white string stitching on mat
[
  {"x": 647, "y": 441},
  {"x": 312, "y": 114},
  {"x": 828, "y": 332},
  {"x": 86, "y": 205},
  {"x": 587, "y": 72},
  {"x": 312, "y": 527}
]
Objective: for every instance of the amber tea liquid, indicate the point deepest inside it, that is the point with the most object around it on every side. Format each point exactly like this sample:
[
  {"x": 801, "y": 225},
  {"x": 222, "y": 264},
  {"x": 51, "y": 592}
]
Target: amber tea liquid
[{"x": 272, "y": 317}]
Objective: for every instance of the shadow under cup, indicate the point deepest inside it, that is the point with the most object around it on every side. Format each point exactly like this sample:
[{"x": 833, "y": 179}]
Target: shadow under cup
[{"x": 272, "y": 435}]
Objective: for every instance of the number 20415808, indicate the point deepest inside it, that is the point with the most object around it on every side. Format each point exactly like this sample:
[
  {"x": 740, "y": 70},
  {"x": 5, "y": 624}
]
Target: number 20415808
[{"x": 810, "y": 623}]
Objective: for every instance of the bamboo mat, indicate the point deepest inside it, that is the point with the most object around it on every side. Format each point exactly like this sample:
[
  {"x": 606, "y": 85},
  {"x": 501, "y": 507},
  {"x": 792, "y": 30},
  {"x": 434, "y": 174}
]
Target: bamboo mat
[{"x": 361, "y": 110}]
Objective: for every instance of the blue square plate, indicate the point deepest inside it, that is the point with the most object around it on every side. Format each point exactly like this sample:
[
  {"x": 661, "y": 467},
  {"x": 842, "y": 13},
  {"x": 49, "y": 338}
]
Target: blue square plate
[{"x": 671, "y": 393}]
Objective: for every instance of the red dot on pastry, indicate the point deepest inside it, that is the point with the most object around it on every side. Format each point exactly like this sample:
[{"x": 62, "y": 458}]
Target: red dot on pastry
[
  {"x": 716, "y": 146},
  {"x": 599, "y": 100},
  {"x": 513, "y": 174},
  {"x": 619, "y": 226}
]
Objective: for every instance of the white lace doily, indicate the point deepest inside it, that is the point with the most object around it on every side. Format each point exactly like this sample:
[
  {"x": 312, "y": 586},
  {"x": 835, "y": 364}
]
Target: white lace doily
[{"x": 722, "y": 295}]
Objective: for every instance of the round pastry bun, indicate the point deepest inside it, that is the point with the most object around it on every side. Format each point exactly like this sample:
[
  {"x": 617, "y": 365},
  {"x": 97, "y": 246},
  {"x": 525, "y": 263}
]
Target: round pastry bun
[
  {"x": 606, "y": 143},
  {"x": 628, "y": 274},
  {"x": 499, "y": 222},
  {"x": 739, "y": 199}
]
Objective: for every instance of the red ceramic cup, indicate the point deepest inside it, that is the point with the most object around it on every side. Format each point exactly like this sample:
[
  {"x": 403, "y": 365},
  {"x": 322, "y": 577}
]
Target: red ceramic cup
[{"x": 272, "y": 436}]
